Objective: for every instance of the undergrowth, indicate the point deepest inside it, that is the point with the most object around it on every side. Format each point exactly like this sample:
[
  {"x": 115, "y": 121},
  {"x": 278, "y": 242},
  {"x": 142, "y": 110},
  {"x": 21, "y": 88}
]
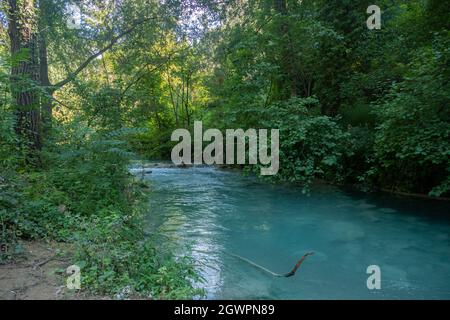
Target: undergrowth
[{"x": 83, "y": 193}]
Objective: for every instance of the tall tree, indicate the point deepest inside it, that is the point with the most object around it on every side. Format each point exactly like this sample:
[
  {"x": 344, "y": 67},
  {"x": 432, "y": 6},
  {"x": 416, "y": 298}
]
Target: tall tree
[
  {"x": 46, "y": 101},
  {"x": 24, "y": 72}
]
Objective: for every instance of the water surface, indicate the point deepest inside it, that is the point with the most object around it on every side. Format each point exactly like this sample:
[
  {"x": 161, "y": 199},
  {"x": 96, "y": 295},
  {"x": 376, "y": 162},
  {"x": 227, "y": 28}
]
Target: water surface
[{"x": 219, "y": 212}]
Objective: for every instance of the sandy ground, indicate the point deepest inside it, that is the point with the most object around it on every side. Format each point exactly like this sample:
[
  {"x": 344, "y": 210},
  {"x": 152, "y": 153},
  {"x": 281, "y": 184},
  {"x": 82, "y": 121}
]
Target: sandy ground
[{"x": 39, "y": 274}]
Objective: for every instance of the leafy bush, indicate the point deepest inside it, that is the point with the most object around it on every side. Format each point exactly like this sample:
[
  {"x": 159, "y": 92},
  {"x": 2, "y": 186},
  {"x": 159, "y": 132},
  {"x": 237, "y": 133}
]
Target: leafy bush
[
  {"x": 117, "y": 260},
  {"x": 358, "y": 161},
  {"x": 9, "y": 214},
  {"x": 8, "y": 141},
  {"x": 357, "y": 115},
  {"x": 153, "y": 143},
  {"x": 412, "y": 144},
  {"x": 311, "y": 146}
]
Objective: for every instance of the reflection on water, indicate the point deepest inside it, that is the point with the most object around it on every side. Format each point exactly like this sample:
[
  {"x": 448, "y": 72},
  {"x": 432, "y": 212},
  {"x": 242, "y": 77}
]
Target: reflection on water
[{"x": 218, "y": 212}]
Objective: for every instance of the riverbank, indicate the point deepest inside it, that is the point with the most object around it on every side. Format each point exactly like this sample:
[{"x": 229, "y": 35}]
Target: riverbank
[
  {"x": 39, "y": 273},
  {"x": 97, "y": 212},
  {"x": 140, "y": 168}
]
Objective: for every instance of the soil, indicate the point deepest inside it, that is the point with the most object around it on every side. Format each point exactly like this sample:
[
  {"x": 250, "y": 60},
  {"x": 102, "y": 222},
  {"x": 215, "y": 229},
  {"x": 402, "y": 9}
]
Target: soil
[{"x": 39, "y": 274}]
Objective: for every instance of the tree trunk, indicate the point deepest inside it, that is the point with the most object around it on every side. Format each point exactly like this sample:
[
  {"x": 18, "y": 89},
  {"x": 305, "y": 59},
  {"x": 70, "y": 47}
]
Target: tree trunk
[
  {"x": 186, "y": 103},
  {"x": 174, "y": 105},
  {"x": 287, "y": 62},
  {"x": 46, "y": 98},
  {"x": 24, "y": 73}
]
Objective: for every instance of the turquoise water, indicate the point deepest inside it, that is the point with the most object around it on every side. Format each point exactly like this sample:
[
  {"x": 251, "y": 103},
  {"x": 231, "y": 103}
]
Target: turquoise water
[{"x": 219, "y": 212}]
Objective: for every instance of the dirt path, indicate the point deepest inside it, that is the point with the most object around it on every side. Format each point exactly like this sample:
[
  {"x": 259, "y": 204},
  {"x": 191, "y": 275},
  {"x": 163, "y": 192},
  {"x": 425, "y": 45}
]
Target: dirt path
[{"x": 39, "y": 274}]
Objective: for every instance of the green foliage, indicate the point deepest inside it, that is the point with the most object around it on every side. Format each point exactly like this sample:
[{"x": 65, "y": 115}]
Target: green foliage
[
  {"x": 90, "y": 168},
  {"x": 152, "y": 144},
  {"x": 311, "y": 146},
  {"x": 357, "y": 162},
  {"x": 366, "y": 107},
  {"x": 85, "y": 195},
  {"x": 117, "y": 260},
  {"x": 358, "y": 115},
  {"x": 104, "y": 109},
  {"x": 9, "y": 153},
  {"x": 9, "y": 214},
  {"x": 412, "y": 145},
  {"x": 386, "y": 90}
]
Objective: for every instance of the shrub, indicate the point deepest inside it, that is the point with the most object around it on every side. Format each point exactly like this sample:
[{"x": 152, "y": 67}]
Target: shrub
[
  {"x": 311, "y": 146},
  {"x": 412, "y": 144}
]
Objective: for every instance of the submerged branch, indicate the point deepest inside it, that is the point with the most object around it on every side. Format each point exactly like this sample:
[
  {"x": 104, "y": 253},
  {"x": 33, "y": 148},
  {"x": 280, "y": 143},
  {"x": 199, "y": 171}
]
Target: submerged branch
[{"x": 286, "y": 275}]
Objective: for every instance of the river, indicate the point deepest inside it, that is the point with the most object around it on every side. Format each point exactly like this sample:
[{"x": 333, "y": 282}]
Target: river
[{"x": 211, "y": 214}]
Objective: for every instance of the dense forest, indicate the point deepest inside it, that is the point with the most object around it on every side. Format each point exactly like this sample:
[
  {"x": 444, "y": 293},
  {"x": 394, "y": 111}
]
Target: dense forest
[{"x": 89, "y": 86}]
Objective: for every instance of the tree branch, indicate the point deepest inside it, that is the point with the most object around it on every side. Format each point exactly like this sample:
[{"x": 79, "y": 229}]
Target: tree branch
[
  {"x": 142, "y": 74},
  {"x": 113, "y": 41}
]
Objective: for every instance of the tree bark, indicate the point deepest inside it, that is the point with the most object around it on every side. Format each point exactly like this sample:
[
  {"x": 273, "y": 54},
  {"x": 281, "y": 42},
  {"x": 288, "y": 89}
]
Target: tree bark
[
  {"x": 24, "y": 73},
  {"x": 46, "y": 96}
]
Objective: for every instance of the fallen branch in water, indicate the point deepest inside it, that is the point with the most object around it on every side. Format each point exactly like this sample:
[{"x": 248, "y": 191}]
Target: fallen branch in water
[{"x": 286, "y": 275}]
